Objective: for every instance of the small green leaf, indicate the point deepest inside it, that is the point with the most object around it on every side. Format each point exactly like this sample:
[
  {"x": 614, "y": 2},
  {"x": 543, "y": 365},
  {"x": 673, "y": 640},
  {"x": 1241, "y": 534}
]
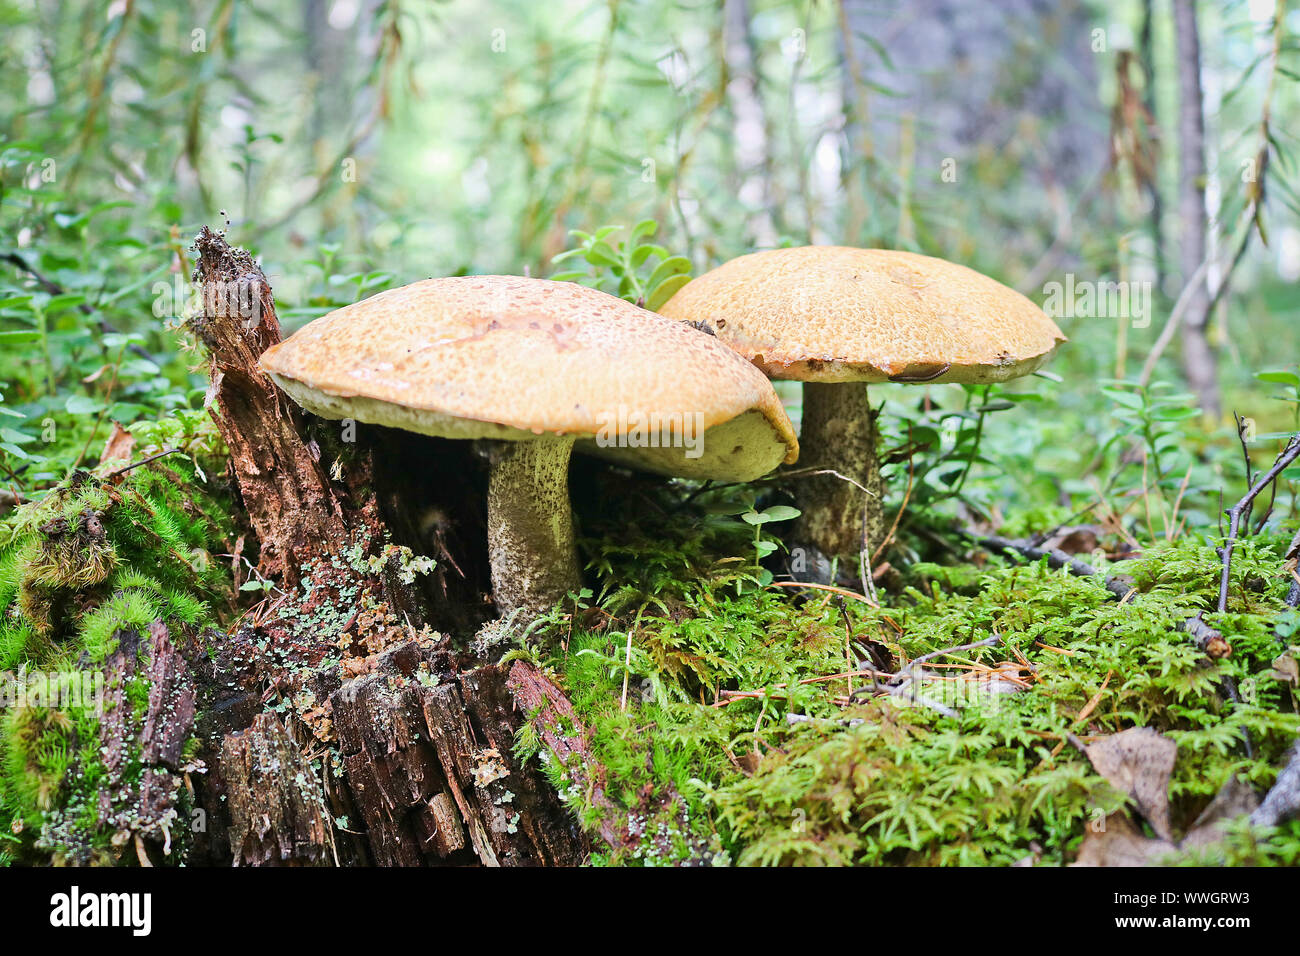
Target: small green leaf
[
  {"x": 81, "y": 405},
  {"x": 673, "y": 265},
  {"x": 141, "y": 366},
  {"x": 1127, "y": 399},
  {"x": 1175, "y": 414},
  {"x": 665, "y": 291},
  {"x": 14, "y": 450},
  {"x": 781, "y": 513},
  {"x": 1279, "y": 378},
  {"x": 646, "y": 227},
  {"x": 601, "y": 254},
  {"x": 642, "y": 253}
]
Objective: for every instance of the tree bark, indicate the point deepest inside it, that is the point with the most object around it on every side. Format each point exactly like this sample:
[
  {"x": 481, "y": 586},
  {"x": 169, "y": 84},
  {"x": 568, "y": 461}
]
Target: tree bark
[
  {"x": 391, "y": 743},
  {"x": 1199, "y": 362},
  {"x": 287, "y": 496},
  {"x": 277, "y": 808}
]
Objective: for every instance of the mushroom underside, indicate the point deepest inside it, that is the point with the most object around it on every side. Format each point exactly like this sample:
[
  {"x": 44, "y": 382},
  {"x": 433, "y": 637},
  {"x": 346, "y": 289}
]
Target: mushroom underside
[
  {"x": 777, "y": 365},
  {"x": 742, "y": 449},
  {"x": 531, "y": 546}
]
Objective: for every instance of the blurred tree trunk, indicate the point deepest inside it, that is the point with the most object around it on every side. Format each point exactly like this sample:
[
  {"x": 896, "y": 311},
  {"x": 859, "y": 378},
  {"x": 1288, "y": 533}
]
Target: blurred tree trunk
[
  {"x": 749, "y": 123},
  {"x": 1146, "y": 60},
  {"x": 1199, "y": 362},
  {"x": 1000, "y": 90},
  {"x": 858, "y": 185}
]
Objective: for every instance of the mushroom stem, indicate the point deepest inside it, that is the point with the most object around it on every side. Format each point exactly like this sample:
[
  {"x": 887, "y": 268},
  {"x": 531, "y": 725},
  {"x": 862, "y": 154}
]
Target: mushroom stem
[
  {"x": 530, "y": 525},
  {"x": 839, "y": 433}
]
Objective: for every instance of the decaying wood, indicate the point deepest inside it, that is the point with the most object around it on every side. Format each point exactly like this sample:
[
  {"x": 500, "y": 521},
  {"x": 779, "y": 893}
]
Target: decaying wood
[
  {"x": 1206, "y": 638},
  {"x": 562, "y": 735},
  {"x": 410, "y": 734},
  {"x": 429, "y": 767},
  {"x": 147, "y": 811},
  {"x": 1118, "y": 585},
  {"x": 509, "y": 811},
  {"x": 170, "y": 716},
  {"x": 292, "y": 506},
  {"x": 277, "y": 808}
]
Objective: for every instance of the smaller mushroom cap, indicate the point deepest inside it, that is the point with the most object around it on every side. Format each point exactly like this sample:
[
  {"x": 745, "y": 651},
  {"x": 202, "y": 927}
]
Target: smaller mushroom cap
[
  {"x": 513, "y": 358},
  {"x": 837, "y": 314}
]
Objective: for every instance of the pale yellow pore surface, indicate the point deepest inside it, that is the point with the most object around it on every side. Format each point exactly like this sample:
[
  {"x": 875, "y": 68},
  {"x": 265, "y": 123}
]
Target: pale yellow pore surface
[
  {"x": 837, "y": 314},
  {"x": 511, "y": 357}
]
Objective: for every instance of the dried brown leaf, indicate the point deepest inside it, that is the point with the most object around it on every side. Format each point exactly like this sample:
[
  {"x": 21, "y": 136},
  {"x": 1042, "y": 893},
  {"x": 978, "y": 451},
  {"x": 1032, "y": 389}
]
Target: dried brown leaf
[
  {"x": 1139, "y": 762},
  {"x": 1121, "y": 843}
]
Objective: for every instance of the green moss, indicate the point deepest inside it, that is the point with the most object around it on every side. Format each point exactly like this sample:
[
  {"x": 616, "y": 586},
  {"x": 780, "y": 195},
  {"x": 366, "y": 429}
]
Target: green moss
[
  {"x": 38, "y": 746},
  {"x": 134, "y": 609},
  {"x": 89, "y": 561},
  {"x": 15, "y": 640},
  {"x": 955, "y": 577},
  {"x": 741, "y": 737}
]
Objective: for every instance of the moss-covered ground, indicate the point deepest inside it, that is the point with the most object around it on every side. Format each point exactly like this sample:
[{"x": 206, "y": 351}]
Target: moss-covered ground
[
  {"x": 93, "y": 563},
  {"x": 736, "y": 718},
  {"x": 739, "y": 720}
]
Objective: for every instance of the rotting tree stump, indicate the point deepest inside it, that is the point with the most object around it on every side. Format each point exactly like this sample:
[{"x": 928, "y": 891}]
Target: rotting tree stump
[{"x": 341, "y": 727}]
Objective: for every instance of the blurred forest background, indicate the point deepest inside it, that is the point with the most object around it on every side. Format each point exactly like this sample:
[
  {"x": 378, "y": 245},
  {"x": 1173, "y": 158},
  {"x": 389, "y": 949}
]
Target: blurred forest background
[{"x": 357, "y": 144}]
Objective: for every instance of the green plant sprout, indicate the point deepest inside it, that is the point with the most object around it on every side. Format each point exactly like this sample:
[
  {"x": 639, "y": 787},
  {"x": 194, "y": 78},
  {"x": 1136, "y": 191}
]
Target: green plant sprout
[{"x": 639, "y": 271}]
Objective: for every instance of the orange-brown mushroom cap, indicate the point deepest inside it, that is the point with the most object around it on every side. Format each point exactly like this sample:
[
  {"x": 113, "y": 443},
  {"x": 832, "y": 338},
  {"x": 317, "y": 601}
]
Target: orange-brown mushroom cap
[
  {"x": 838, "y": 314},
  {"x": 514, "y": 358}
]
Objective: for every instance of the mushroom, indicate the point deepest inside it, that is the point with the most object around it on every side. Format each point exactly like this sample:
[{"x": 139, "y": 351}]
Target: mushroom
[
  {"x": 536, "y": 365},
  {"x": 838, "y": 318}
]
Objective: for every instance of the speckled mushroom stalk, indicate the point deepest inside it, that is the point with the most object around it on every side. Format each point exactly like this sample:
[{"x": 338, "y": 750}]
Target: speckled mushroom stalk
[
  {"x": 839, "y": 517},
  {"x": 530, "y": 525}
]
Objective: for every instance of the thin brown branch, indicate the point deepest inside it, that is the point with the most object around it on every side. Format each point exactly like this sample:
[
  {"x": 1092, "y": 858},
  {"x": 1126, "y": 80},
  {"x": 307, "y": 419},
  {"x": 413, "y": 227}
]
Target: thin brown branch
[{"x": 1289, "y": 454}]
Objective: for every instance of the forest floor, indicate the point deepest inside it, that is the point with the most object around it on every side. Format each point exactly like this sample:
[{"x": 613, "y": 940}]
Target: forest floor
[{"x": 979, "y": 710}]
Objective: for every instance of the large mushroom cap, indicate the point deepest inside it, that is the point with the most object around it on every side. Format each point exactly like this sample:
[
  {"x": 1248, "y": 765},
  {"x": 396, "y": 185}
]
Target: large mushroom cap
[
  {"x": 513, "y": 358},
  {"x": 836, "y": 314}
]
